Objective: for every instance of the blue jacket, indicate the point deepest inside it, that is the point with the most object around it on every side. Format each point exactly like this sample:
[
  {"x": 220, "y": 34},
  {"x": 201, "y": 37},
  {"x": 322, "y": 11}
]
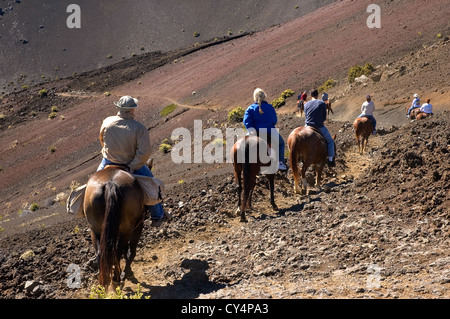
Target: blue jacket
[
  {"x": 315, "y": 113},
  {"x": 253, "y": 118}
]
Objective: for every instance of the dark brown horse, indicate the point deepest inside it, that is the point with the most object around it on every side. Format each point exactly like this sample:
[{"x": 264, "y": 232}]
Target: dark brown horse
[
  {"x": 308, "y": 146},
  {"x": 248, "y": 160},
  {"x": 114, "y": 209},
  {"x": 363, "y": 129}
]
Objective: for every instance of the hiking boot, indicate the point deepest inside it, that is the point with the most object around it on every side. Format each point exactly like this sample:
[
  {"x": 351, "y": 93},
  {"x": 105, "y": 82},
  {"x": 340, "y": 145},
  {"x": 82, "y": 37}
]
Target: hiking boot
[
  {"x": 374, "y": 132},
  {"x": 282, "y": 166}
]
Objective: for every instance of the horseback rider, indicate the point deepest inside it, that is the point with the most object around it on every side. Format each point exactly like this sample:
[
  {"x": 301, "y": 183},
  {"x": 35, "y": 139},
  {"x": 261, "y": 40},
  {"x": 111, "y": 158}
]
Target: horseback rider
[
  {"x": 126, "y": 142},
  {"x": 415, "y": 104},
  {"x": 367, "y": 109},
  {"x": 427, "y": 108},
  {"x": 315, "y": 116},
  {"x": 302, "y": 100},
  {"x": 262, "y": 115}
]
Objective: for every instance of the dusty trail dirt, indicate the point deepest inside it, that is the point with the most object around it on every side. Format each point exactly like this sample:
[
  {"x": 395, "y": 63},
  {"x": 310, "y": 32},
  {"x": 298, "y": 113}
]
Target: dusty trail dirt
[{"x": 379, "y": 228}]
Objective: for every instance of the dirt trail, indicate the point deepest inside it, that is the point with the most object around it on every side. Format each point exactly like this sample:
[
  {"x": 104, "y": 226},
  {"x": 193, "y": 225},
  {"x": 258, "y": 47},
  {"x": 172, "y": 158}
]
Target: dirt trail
[{"x": 154, "y": 258}]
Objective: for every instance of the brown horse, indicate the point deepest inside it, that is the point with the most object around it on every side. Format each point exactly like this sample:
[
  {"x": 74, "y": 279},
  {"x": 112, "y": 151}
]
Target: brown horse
[
  {"x": 247, "y": 159},
  {"x": 306, "y": 145},
  {"x": 422, "y": 115},
  {"x": 414, "y": 113},
  {"x": 329, "y": 109},
  {"x": 363, "y": 129},
  {"x": 114, "y": 209}
]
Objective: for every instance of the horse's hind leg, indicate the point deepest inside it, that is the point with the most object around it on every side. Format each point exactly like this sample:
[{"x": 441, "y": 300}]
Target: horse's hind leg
[
  {"x": 131, "y": 253},
  {"x": 271, "y": 178},
  {"x": 238, "y": 178},
  {"x": 94, "y": 262},
  {"x": 358, "y": 141},
  {"x": 304, "y": 182},
  {"x": 319, "y": 169},
  {"x": 295, "y": 172}
]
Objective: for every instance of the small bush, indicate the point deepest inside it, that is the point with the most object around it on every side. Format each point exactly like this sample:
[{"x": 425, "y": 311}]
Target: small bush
[
  {"x": 34, "y": 207},
  {"x": 287, "y": 93},
  {"x": 196, "y": 34},
  {"x": 330, "y": 83},
  {"x": 52, "y": 115},
  {"x": 165, "y": 148},
  {"x": 357, "y": 71},
  {"x": 168, "y": 109},
  {"x": 43, "y": 93},
  {"x": 278, "y": 102},
  {"x": 236, "y": 115},
  {"x": 54, "y": 108}
]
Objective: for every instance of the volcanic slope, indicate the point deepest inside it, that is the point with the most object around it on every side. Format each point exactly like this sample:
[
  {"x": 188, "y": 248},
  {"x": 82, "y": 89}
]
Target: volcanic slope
[
  {"x": 36, "y": 40},
  {"x": 41, "y": 157}
]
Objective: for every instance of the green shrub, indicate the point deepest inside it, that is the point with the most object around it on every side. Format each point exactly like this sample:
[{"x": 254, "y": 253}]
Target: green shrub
[
  {"x": 330, "y": 83},
  {"x": 168, "y": 109},
  {"x": 34, "y": 207},
  {"x": 358, "y": 70},
  {"x": 165, "y": 148},
  {"x": 43, "y": 93},
  {"x": 196, "y": 34},
  {"x": 278, "y": 102},
  {"x": 236, "y": 115},
  {"x": 287, "y": 93},
  {"x": 52, "y": 115}
]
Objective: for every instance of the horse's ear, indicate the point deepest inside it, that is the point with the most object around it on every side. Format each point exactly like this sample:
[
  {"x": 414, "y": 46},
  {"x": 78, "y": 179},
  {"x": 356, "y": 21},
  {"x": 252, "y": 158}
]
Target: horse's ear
[{"x": 334, "y": 137}]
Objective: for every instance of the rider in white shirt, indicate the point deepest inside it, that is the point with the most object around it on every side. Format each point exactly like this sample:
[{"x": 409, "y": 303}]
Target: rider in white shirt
[{"x": 427, "y": 107}]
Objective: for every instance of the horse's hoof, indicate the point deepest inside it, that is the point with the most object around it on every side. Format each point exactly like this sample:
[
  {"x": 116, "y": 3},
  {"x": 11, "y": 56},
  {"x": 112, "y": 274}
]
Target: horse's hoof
[
  {"x": 238, "y": 212},
  {"x": 275, "y": 207},
  {"x": 243, "y": 220}
]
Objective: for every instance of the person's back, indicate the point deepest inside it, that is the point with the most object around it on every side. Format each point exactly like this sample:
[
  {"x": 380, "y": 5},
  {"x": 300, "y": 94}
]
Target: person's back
[
  {"x": 120, "y": 138},
  {"x": 368, "y": 108},
  {"x": 315, "y": 113},
  {"x": 427, "y": 107}
]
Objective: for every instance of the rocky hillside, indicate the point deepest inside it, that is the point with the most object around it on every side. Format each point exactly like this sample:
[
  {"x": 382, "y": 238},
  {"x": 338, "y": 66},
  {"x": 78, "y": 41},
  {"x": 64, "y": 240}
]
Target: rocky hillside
[{"x": 381, "y": 217}]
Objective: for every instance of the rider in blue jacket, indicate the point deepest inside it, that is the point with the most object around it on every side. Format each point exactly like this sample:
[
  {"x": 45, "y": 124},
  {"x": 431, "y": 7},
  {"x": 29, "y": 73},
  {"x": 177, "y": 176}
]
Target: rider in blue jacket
[{"x": 262, "y": 115}]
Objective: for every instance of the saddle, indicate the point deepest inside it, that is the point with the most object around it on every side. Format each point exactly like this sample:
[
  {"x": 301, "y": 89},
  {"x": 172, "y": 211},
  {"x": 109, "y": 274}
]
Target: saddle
[
  {"x": 367, "y": 117},
  {"x": 321, "y": 138}
]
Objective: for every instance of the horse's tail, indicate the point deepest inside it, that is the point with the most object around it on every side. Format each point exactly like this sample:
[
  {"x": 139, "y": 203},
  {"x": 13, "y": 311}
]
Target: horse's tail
[{"x": 110, "y": 235}]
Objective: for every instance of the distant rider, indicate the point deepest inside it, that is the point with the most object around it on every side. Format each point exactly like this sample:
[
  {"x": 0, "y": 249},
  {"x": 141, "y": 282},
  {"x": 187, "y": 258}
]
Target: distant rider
[
  {"x": 427, "y": 108},
  {"x": 315, "y": 116},
  {"x": 415, "y": 104},
  {"x": 367, "y": 109}
]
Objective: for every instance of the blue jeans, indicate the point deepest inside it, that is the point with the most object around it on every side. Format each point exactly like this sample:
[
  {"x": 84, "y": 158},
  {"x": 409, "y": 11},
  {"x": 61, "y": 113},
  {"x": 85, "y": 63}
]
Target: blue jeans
[
  {"x": 370, "y": 117},
  {"x": 329, "y": 139},
  {"x": 156, "y": 211},
  {"x": 412, "y": 108}
]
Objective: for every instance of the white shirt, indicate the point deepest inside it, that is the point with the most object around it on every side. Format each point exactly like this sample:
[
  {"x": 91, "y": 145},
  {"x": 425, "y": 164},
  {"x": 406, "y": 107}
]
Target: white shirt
[
  {"x": 367, "y": 108},
  {"x": 427, "y": 108},
  {"x": 415, "y": 103}
]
